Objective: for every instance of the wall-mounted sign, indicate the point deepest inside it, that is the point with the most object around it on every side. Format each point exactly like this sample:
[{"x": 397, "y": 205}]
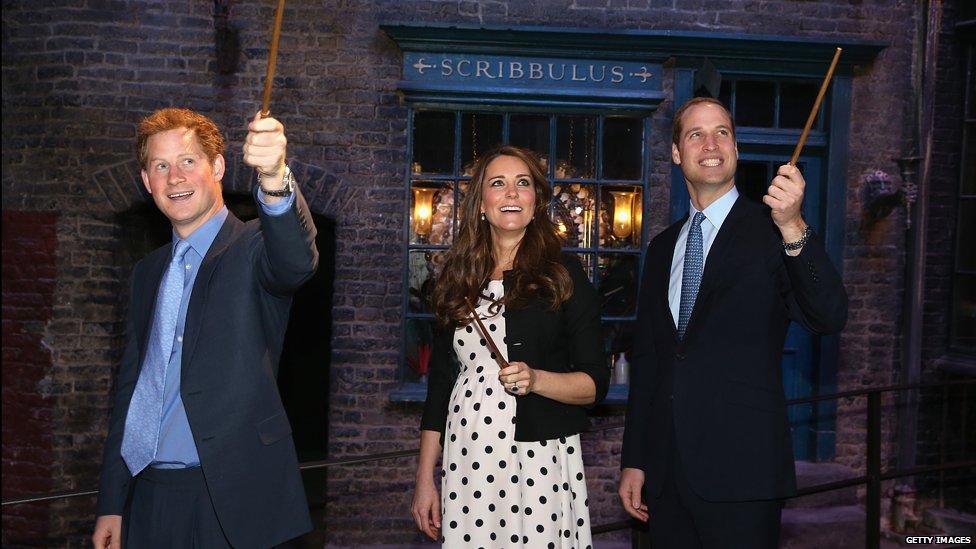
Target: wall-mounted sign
[
  {"x": 511, "y": 81},
  {"x": 496, "y": 70}
]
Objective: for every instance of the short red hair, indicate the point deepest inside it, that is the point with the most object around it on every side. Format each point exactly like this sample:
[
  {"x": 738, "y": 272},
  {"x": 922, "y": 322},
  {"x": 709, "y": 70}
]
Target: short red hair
[{"x": 205, "y": 130}]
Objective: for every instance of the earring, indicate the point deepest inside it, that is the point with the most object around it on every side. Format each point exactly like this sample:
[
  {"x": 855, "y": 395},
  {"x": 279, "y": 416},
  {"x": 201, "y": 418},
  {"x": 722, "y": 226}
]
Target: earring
[{"x": 483, "y": 216}]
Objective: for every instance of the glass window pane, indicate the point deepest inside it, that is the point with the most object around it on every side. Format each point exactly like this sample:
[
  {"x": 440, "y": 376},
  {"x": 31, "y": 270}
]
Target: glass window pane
[
  {"x": 618, "y": 344},
  {"x": 433, "y": 142},
  {"x": 754, "y": 103},
  {"x": 575, "y": 147},
  {"x": 622, "y": 148},
  {"x": 795, "y": 102},
  {"x": 618, "y": 284},
  {"x": 725, "y": 94},
  {"x": 458, "y": 213},
  {"x": 963, "y": 329},
  {"x": 573, "y": 212},
  {"x": 971, "y": 85},
  {"x": 968, "y": 185},
  {"x": 480, "y": 132},
  {"x": 586, "y": 260},
  {"x": 966, "y": 252},
  {"x": 621, "y": 207},
  {"x": 424, "y": 267},
  {"x": 530, "y": 131},
  {"x": 418, "y": 348},
  {"x": 752, "y": 178},
  {"x": 431, "y": 212}
]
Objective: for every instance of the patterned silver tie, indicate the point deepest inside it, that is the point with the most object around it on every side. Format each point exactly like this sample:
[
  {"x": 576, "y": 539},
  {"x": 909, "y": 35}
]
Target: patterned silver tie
[
  {"x": 692, "y": 274},
  {"x": 141, "y": 434}
]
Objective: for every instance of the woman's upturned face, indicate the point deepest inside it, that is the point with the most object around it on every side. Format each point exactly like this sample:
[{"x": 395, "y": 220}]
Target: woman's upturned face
[{"x": 508, "y": 195}]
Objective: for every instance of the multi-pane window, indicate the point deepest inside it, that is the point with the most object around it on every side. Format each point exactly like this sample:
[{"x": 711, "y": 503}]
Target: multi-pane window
[
  {"x": 597, "y": 167},
  {"x": 770, "y": 104}
]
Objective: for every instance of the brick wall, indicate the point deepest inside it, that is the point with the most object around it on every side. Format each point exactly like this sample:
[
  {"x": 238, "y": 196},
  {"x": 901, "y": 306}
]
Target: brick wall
[
  {"x": 78, "y": 76},
  {"x": 29, "y": 259},
  {"x": 945, "y": 414}
]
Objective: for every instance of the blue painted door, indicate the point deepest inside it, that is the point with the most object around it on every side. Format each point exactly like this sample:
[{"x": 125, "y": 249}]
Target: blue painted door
[{"x": 756, "y": 170}]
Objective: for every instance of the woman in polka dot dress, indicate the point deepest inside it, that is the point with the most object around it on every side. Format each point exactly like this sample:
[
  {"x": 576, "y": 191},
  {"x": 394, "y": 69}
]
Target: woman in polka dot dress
[{"x": 509, "y": 425}]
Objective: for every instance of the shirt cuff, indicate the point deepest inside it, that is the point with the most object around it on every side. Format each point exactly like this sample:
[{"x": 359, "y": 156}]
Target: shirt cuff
[{"x": 277, "y": 208}]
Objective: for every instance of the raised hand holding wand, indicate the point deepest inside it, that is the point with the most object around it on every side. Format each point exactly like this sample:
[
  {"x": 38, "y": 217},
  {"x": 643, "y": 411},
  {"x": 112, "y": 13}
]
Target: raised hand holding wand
[{"x": 785, "y": 193}]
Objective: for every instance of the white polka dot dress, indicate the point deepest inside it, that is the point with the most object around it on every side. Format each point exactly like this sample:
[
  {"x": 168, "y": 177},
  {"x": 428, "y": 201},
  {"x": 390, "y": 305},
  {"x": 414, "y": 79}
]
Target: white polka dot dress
[{"x": 496, "y": 492}]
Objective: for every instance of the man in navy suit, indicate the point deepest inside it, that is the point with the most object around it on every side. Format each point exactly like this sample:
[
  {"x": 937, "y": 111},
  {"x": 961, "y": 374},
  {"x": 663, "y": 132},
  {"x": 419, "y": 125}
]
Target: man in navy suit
[
  {"x": 199, "y": 451},
  {"x": 707, "y": 455}
]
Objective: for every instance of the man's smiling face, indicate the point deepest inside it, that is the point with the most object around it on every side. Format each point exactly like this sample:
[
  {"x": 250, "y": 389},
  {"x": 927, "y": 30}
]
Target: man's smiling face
[
  {"x": 706, "y": 149},
  {"x": 183, "y": 183}
]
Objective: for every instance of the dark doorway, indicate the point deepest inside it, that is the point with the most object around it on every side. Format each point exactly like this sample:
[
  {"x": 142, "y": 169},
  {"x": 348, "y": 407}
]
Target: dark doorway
[{"x": 303, "y": 373}]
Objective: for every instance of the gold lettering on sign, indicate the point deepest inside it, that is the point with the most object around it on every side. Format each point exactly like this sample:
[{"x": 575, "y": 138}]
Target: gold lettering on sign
[
  {"x": 535, "y": 71},
  {"x": 446, "y": 68},
  {"x": 463, "y": 62}
]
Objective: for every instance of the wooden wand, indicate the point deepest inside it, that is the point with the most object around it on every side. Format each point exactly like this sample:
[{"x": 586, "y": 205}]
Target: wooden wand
[
  {"x": 488, "y": 341},
  {"x": 272, "y": 58},
  {"x": 816, "y": 107}
]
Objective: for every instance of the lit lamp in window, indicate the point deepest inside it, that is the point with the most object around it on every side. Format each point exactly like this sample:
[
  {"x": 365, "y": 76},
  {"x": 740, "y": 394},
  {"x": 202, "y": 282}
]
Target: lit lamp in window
[
  {"x": 637, "y": 214},
  {"x": 623, "y": 204},
  {"x": 422, "y": 212}
]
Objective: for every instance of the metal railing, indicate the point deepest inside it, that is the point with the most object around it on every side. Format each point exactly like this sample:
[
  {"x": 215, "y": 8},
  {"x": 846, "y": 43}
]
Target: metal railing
[{"x": 871, "y": 479}]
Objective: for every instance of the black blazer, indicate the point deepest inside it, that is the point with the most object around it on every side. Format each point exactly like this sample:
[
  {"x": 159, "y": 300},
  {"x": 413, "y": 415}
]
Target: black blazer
[
  {"x": 235, "y": 326},
  {"x": 721, "y": 388},
  {"x": 567, "y": 339}
]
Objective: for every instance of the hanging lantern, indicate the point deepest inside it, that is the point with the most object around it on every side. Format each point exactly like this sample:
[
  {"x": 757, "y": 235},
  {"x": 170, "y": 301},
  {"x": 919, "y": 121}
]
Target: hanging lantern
[
  {"x": 623, "y": 203},
  {"x": 422, "y": 210}
]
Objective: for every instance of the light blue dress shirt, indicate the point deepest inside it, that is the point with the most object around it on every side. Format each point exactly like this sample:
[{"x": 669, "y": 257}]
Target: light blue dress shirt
[
  {"x": 176, "y": 449},
  {"x": 715, "y": 215}
]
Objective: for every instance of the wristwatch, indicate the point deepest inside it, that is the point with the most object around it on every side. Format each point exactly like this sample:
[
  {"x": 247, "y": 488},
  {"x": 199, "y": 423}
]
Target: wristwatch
[
  {"x": 288, "y": 179},
  {"x": 794, "y": 246}
]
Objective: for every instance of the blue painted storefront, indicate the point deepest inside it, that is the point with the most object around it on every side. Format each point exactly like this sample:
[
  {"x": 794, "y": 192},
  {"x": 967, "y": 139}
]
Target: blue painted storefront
[{"x": 605, "y": 73}]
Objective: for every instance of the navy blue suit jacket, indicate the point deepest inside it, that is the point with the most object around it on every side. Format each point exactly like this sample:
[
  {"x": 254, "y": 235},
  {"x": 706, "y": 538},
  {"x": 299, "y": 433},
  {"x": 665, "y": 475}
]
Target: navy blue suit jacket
[
  {"x": 235, "y": 326},
  {"x": 721, "y": 387}
]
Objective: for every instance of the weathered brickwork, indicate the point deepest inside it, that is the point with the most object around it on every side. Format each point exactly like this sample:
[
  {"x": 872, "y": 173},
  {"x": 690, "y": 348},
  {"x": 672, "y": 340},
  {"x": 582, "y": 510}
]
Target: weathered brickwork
[
  {"x": 29, "y": 274},
  {"x": 77, "y": 76},
  {"x": 946, "y": 416}
]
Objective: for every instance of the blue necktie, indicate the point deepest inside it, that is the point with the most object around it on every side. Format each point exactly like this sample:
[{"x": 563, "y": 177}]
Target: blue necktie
[
  {"x": 141, "y": 434},
  {"x": 692, "y": 274}
]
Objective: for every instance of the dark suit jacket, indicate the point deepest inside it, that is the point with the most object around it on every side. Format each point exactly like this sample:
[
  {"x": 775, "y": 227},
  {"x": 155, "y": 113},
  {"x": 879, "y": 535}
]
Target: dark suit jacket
[
  {"x": 235, "y": 325},
  {"x": 720, "y": 388},
  {"x": 567, "y": 339}
]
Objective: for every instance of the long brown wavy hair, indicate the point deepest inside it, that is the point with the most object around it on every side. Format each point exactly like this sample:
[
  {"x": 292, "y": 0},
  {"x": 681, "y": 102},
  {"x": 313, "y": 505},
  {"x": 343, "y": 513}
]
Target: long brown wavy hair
[{"x": 537, "y": 270}]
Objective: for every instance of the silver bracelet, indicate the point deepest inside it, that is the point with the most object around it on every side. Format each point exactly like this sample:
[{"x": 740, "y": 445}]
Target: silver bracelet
[
  {"x": 287, "y": 178},
  {"x": 794, "y": 246}
]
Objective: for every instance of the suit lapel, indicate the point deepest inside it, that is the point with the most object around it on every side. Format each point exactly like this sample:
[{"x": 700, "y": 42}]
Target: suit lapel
[
  {"x": 718, "y": 255},
  {"x": 198, "y": 296}
]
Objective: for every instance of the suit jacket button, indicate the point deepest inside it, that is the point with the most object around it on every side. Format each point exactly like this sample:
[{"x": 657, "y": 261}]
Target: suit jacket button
[{"x": 679, "y": 356}]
